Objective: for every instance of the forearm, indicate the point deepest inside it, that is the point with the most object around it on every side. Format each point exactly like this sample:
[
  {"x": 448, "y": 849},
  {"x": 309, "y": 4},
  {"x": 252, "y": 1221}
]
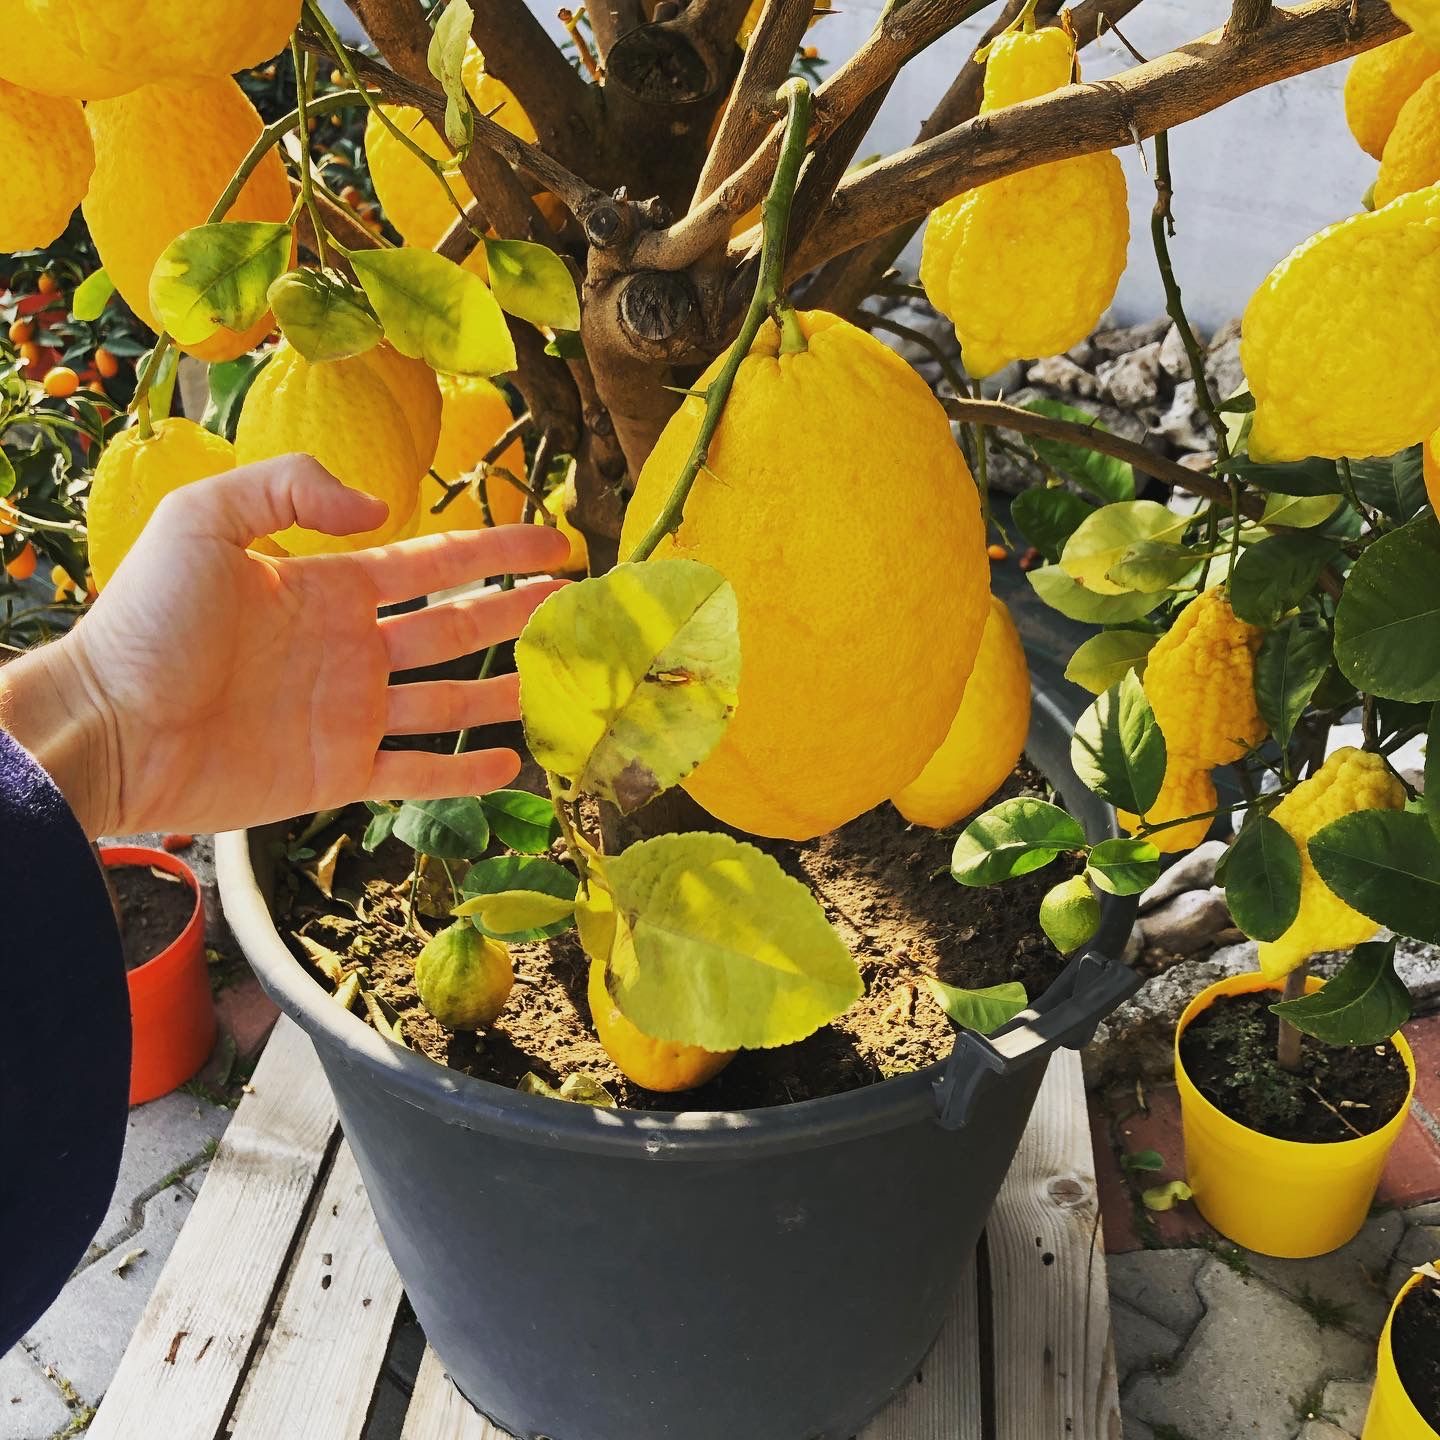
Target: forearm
[{"x": 47, "y": 704}]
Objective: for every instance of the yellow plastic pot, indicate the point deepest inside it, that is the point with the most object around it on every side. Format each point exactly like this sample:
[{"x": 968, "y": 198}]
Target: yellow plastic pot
[
  {"x": 1290, "y": 1198},
  {"x": 1393, "y": 1415}
]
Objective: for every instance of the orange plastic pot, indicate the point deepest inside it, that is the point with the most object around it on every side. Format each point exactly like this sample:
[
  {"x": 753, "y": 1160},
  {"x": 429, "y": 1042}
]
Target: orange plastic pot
[
  {"x": 1289, "y": 1198},
  {"x": 1392, "y": 1414},
  {"x": 172, "y": 1013}
]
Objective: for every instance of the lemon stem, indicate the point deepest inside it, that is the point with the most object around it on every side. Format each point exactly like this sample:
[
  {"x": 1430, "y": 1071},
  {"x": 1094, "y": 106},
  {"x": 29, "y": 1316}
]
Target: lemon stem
[
  {"x": 1287, "y": 1047},
  {"x": 304, "y": 80},
  {"x": 792, "y": 337},
  {"x": 775, "y": 224}
]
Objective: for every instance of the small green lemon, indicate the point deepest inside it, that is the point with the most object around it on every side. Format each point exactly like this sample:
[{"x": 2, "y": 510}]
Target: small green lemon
[
  {"x": 463, "y": 978},
  {"x": 1070, "y": 914}
]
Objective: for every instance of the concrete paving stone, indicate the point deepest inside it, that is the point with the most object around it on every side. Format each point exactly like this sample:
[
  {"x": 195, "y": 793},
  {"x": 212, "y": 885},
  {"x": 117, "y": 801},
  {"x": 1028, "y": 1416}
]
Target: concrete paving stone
[
  {"x": 195, "y": 1178},
  {"x": 162, "y": 1137},
  {"x": 1324, "y": 1430},
  {"x": 30, "y": 1406},
  {"x": 1249, "y": 1366},
  {"x": 1353, "y": 1276},
  {"x": 1345, "y": 1403},
  {"x": 1161, "y": 1285},
  {"x": 1140, "y": 1342},
  {"x": 85, "y": 1332}
]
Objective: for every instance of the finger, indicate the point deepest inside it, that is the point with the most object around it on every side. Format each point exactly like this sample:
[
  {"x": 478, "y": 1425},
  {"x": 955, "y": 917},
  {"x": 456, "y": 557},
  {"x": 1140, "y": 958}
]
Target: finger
[
  {"x": 419, "y": 775},
  {"x": 440, "y": 633},
  {"x": 438, "y": 562},
  {"x": 441, "y": 706},
  {"x": 272, "y": 495}
]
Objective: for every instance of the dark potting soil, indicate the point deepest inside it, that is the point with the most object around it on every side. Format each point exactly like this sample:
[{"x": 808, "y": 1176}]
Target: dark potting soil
[
  {"x": 884, "y": 884},
  {"x": 154, "y": 908},
  {"x": 1340, "y": 1091},
  {"x": 1415, "y": 1343}
]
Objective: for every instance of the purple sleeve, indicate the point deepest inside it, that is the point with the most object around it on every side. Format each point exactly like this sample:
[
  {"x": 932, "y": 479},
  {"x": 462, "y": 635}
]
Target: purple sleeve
[{"x": 64, "y": 1043}]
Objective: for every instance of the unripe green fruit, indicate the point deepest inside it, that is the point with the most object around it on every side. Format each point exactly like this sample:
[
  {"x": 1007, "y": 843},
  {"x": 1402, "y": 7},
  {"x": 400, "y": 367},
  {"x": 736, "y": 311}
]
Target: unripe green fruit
[
  {"x": 463, "y": 978},
  {"x": 1070, "y": 914}
]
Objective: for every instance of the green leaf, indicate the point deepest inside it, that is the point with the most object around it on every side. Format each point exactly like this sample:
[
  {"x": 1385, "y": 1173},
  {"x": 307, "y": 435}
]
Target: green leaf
[
  {"x": 1012, "y": 839},
  {"x": 445, "y": 60},
  {"x": 1275, "y": 575},
  {"x": 1290, "y": 664},
  {"x": 1143, "y": 1160},
  {"x": 1103, "y": 539},
  {"x": 448, "y": 829},
  {"x": 91, "y": 295},
  {"x": 627, "y": 681},
  {"x": 1386, "y": 865},
  {"x": 218, "y": 275},
  {"x": 533, "y": 283},
  {"x": 1389, "y": 616},
  {"x": 7, "y": 475},
  {"x": 715, "y": 945},
  {"x": 1118, "y": 750},
  {"x": 1430, "y": 800},
  {"x": 1395, "y": 486},
  {"x": 323, "y": 315},
  {"x": 1299, "y": 512},
  {"x": 435, "y": 311},
  {"x": 983, "y": 1011},
  {"x": 1048, "y": 516},
  {"x": 1241, "y": 403},
  {"x": 1151, "y": 565},
  {"x": 521, "y": 821},
  {"x": 566, "y": 345},
  {"x": 379, "y": 830},
  {"x": 1102, "y": 475},
  {"x": 1070, "y": 914},
  {"x": 1303, "y": 477},
  {"x": 1124, "y": 867},
  {"x": 1365, "y": 1003},
  {"x": 230, "y": 382},
  {"x": 1071, "y": 598},
  {"x": 1164, "y": 1197},
  {"x": 510, "y": 873},
  {"x": 512, "y": 912},
  {"x": 1105, "y": 659},
  {"x": 579, "y": 1087},
  {"x": 1262, "y": 885}
]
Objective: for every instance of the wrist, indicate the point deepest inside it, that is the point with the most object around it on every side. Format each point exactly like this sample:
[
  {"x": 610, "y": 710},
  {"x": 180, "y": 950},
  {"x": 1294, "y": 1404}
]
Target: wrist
[{"x": 48, "y": 702}]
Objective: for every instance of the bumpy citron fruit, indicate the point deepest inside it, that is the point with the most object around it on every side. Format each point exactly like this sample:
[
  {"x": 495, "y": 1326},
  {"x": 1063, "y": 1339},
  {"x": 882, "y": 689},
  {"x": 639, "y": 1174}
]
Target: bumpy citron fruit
[
  {"x": 95, "y": 49},
  {"x": 650, "y": 1063},
  {"x": 48, "y": 159},
  {"x": 373, "y": 421},
  {"x": 1070, "y": 914},
  {"x": 986, "y": 736},
  {"x": 473, "y": 415},
  {"x": 1348, "y": 781},
  {"x": 463, "y": 978},
  {"x": 859, "y": 626},
  {"x": 1422, "y": 16},
  {"x": 1379, "y": 83},
  {"x": 1200, "y": 682},
  {"x": 408, "y": 192},
  {"x": 1186, "y": 792},
  {"x": 1355, "y": 296},
  {"x": 147, "y": 188},
  {"x": 1026, "y": 265},
  {"x": 135, "y": 474},
  {"x": 1412, "y": 153}
]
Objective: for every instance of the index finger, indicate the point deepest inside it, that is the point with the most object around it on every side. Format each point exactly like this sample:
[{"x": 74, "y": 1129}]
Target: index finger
[{"x": 439, "y": 562}]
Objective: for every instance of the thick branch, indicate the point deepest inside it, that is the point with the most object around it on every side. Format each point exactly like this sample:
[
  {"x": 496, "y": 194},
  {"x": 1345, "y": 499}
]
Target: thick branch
[
  {"x": 561, "y": 106},
  {"x": 718, "y": 21},
  {"x": 1027, "y": 422},
  {"x": 399, "y": 30},
  {"x": 1247, "y": 15},
  {"x": 610, "y": 19},
  {"x": 1081, "y": 119}
]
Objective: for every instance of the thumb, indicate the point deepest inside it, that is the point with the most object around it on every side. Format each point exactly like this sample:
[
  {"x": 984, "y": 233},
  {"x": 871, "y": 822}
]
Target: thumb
[{"x": 260, "y": 499}]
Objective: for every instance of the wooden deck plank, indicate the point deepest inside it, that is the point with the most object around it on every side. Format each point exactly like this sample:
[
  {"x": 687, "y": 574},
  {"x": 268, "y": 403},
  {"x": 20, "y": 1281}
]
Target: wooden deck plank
[
  {"x": 189, "y": 1352},
  {"x": 1050, "y": 1305},
  {"x": 320, "y": 1365},
  {"x": 438, "y": 1411},
  {"x": 944, "y": 1402}
]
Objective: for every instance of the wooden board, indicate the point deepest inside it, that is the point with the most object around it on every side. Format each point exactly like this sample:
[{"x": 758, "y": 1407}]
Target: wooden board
[
  {"x": 190, "y": 1350},
  {"x": 438, "y": 1411},
  {"x": 1054, "y": 1367}
]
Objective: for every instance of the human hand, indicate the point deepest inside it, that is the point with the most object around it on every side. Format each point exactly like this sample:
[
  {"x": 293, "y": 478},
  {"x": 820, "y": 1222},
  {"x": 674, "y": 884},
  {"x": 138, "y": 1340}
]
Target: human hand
[{"x": 211, "y": 688}]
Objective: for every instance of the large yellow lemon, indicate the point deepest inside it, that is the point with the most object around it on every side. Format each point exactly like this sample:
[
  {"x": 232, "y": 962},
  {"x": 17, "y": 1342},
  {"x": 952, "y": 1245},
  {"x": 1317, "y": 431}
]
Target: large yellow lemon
[
  {"x": 837, "y": 503},
  {"x": 48, "y": 159}
]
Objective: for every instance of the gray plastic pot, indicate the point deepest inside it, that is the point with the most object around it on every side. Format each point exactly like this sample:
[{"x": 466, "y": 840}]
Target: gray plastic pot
[{"x": 771, "y": 1274}]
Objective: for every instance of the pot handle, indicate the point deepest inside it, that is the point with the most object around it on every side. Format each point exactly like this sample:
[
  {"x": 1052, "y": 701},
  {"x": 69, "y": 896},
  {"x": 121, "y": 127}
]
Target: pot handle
[{"x": 1087, "y": 990}]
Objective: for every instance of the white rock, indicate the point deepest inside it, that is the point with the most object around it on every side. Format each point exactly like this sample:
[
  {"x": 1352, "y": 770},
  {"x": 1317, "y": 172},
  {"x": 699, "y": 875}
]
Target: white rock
[
  {"x": 1195, "y": 871},
  {"x": 1130, "y": 337},
  {"x": 1183, "y": 424},
  {"x": 1187, "y": 923},
  {"x": 1222, "y": 361},
  {"x": 1132, "y": 379},
  {"x": 1058, "y": 372},
  {"x": 1173, "y": 359}
]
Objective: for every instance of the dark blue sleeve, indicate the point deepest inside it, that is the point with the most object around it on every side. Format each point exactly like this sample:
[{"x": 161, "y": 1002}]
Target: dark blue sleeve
[{"x": 64, "y": 1043}]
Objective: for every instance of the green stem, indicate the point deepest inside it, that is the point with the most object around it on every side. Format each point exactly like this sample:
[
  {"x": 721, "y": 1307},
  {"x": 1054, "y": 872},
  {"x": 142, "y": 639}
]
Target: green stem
[
  {"x": 567, "y": 829},
  {"x": 775, "y": 222},
  {"x": 304, "y": 79}
]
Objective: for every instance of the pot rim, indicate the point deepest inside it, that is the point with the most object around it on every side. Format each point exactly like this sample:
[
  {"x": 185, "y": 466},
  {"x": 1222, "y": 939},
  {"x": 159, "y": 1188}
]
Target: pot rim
[
  {"x": 482, "y": 1105},
  {"x": 1386, "y": 1371},
  {"x": 122, "y": 857},
  {"x": 1241, "y": 985}
]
